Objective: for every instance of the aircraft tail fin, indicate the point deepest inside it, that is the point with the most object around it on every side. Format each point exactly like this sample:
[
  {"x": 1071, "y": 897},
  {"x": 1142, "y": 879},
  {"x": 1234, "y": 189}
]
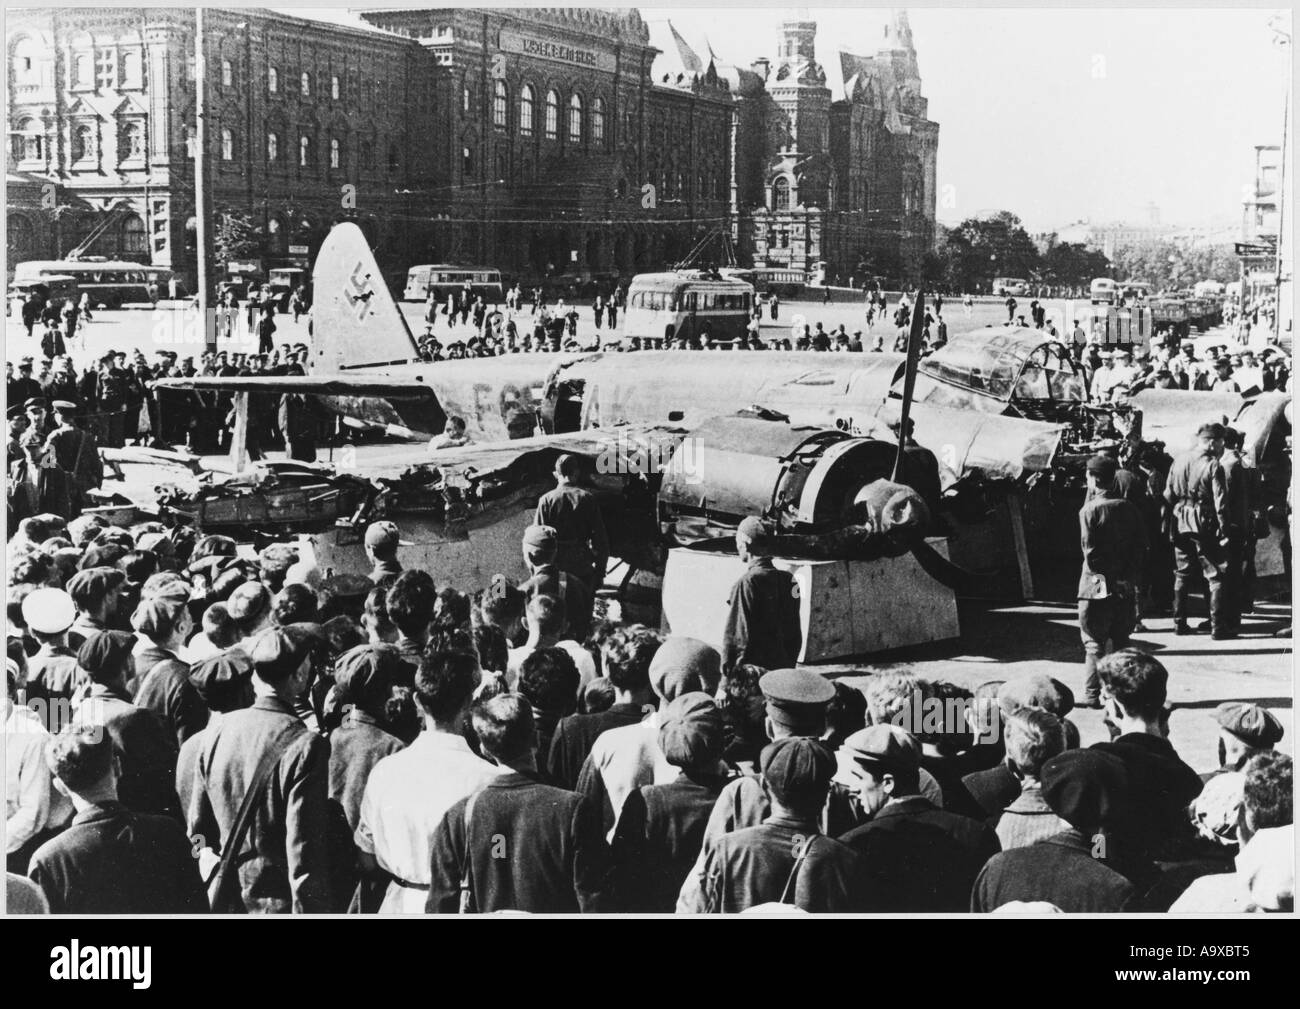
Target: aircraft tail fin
[{"x": 355, "y": 322}]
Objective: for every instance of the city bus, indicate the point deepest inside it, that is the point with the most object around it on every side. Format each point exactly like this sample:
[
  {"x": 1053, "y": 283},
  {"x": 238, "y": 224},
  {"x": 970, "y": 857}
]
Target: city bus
[
  {"x": 1103, "y": 291},
  {"x": 1016, "y": 287},
  {"x": 443, "y": 279},
  {"x": 668, "y": 306},
  {"x": 769, "y": 280},
  {"x": 108, "y": 283}
]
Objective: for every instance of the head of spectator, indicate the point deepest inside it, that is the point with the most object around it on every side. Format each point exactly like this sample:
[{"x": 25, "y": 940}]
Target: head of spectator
[
  {"x": 597, "y": 696},
  {"x": 444, "y": 688},
  {"x": 219, "y": 627},
  {"x": 1267, "y": 795},
  {"x": 502, "y": 605},
  {"x": 451, "y": 639},
  {"x": 541, "y": 542},
  {"x": 1101, "y": 474},
  {"x": 507, "y": 731},
  {"x": 411, "y": 600},
  {"x": 797, "y": 774},
  {"x": 366, "y": 677},
  {"x": 748, "y": 533},
  {"x": 451, "y": 608},
  {"x": 546, "y": 620},
  {"x": 683, "y": 665},
  {"x": 85, "y": 765},
  {"x": 296, "y": 604},
  {"x": 48, "y": 613},
  {"x": 1133, "y": 691},
  {"x": 1210, "y": 438},
  {"x": 31, "y": 567},
  {"x": 845, "y": 714},
  {"x": 164, "y": 618},
  {"x": 692, "y": 734},
  {"x": 877, "y": 764},
  {"x": 1088, "y": 789},
  {"x": 282, "y": 662},
  {"x": 274, "y": 563},
  {"x": 249, "y": 607},
  {"x": 626, "y": 658},
  {"x": 549, "y": 679},
  {"x": 1033, "y": 737},
  {"x": 224, "y": 681},
  {"x": 1244, "y": 729},
  {"x": 340, "y": 634},
  {"x": 492, "y": 647},
  {"x": 1216, "y": 812},
  {"x": 952, "y": 735},
  {"x": 105, "y": 656},
  {"x": 39, "y": 528},
  {"x": 890, "y": 696},
  {"x": 375, "y": 620},
  {"x": 796, "y": 701},
  {"x": 96, "y": 593}
]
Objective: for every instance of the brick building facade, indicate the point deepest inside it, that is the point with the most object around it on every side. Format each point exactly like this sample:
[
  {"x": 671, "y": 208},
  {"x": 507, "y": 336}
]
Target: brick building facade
[{"x": 542, "y": 141}]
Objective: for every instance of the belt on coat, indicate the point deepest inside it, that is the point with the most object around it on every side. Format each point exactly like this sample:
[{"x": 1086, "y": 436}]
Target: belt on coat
[{"x": 409, "y": 885}]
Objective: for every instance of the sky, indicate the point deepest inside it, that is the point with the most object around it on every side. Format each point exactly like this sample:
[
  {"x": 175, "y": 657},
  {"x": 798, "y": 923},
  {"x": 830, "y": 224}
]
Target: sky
[{"x": 1060, "y": 115}]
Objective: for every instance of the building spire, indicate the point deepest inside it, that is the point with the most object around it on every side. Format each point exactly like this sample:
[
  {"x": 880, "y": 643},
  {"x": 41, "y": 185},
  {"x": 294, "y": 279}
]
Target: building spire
[{"x": 898, "y": 32}]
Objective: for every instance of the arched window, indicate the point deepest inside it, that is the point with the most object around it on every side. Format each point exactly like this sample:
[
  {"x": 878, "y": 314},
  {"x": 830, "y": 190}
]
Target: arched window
[
  {"x": 83, "y": 143},
  {"x": 272, "y": 145},
  {"x": 133, "y": 142},
  {"x": 334, "y": 88},
  {"x": 227, "y": 74},
  {"x": 82, "y": 70},
  {"x": 227, "y": 144},
  {"x": 27, "y": 57},
  {"x": 552, "y": 115},
  {"x": 135, "y": 241},
  {"x": 336, "y": 152},
  {"x": 575, "y": 119},
  {"x": 306, "y": 84},
  {"x": 273, "y": 80},
  {"x": 132, "y": 70},
  {"x": 527, "y": 99},
  {"x": 598, "y": 121},
  {"x": 304, "y": 151},
  {"x": 781, "y": 194},
  {"x": 29, "y": 143},
  {"x": 500, "y": 103},
  {"x": 466, "y": 162}
]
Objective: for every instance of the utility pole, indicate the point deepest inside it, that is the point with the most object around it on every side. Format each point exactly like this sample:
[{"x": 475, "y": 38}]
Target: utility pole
[
  {"x": 1282, "y": 39},
  {"x": 202, "y": 184}
]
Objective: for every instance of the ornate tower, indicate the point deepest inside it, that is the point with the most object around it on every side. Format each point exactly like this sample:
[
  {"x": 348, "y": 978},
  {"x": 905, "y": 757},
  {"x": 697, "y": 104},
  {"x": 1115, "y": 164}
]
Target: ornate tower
[{"x": 898, "y": 50}]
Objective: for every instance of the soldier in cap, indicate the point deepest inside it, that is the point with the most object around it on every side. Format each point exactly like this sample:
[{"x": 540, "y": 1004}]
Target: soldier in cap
[
  {"x": 582, "y": 545},
  {"x": 1241, "y": 482},
  {"x": 53, "y": 675},
  {"x": 37, "y": 484},
  {"x": 76, "y": 452},
  {"x": 763, "y": 623},
  {"x": 1113, "y": 541},
  {"x": 1245, "y": 729},
  {"x": 796, "y": 701},
  {"x": 547, "y": 579},
  {"x": 1197, "y": 494},
  {"x": 38, "y": 415},
  {"x": 24, "y": 387},
  {"x": 382, "y": 540}
]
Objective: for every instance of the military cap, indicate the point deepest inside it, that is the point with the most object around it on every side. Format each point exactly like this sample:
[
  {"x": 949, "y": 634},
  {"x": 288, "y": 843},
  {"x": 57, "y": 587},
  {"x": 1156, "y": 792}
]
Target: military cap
[
  {"x": 797, "y": 769},
  {"x": 49, "y": 611},
  {"x": 1036, "y": 690},
  {"x": 682, "y": 665},
  {"x": 796, "y": 698},
  {"x": 382, "y": 534},
  {"x": 248, "y": 602},
  {"x": 1087, "y": 789},
  {"x": 1103, "y": 467},
  {"x": 881, "y": 747},
  {"x": 64, "y": 405},
  {"x": 1211, "y": 430},
  {"x": 691, "y": 731},
  {"x": 1253, "y": 725},
  {"x": 34, "y": 402},
  {"x": 541, "y": 536},
  {"x": 278, "y": 652},
  {"x": 105, "y": 653},
  {"x": 224, "y": 681},
  {"x": 26, "y": 364},
  {"x": 366, "y": 674}
]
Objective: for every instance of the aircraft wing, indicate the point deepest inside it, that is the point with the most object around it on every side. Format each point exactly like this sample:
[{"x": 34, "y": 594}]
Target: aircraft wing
[
  {"x": 387, "y": 386},
  {"x": 997, "y": 447}
]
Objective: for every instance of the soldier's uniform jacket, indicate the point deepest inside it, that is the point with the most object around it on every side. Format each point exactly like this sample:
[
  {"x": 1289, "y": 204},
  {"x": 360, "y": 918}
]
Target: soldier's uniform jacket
[
  {"x": 78, "y": 454},
  {"x": 763, "y": 625},
  {"x": 1239, "y": 482},
  {"x": 284, "y": 860},
  {"x": 574, "y": 515},
  {"x": 1198, "y": 493},
  {"x": 1114, "y": 544}
]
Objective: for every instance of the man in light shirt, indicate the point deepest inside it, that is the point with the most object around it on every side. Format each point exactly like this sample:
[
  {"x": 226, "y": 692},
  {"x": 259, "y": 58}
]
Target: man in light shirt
[
  {"x": 546, "y": 618},
  {"x": 408, "y": 792},
  {"x": 33, "y": 809}
]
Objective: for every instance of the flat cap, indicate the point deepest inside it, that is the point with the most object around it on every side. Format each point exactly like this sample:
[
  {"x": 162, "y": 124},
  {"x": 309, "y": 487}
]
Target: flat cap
[
  {"x": 85, "y": 528},
  {"x": 540, "y": 536},
  {"x": 684, "y": 665},
  {"x": 881, "y": 747},
  {"x": 1253, "y": 725},
  {"x": 224, "y": 681},
  {"x": 691, "y": 733},
  {"x": 49, "y": 611},
  {"x": 248, "y": 602},
  {"x": 105, "y": 652},
  {"x": 278, "y": 652},
  {"x": 382, "y": 534},
  {"x": 1086, "y": 788},
  {"x": 796, "y": 698},
  {"x": 366, "y": 674},
  {"x": 797, "y": 769},
  {"x": 1036, "y": 690},
  {"x": 157, "y": 614},
  {"x": 159, "y": 544},
  {"x": 95, "y": 582}
]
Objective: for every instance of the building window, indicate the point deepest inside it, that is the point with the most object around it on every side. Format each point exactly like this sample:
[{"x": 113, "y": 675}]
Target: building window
[
  {"x": 227, "y": 74},
  {"x": 29, "y": 143},
  {"x": 781, "y": 194},
  {"x": 272, "y": 146},
  {"x": 334, "y": 88},
  {"x": 132, "y": 70},
  {"x": 278, "y": 237},
  {"x": 575, "y": 119},
  {"x": 227, "y": 144},
  {"x": 81, "y": 71},
  {"x": 500, "y": 104},
  {"x": 106, "y": 70},
  {"x": 133, "y": 142},
  {"x": 134, "y": 239},
  {"x": 306, "y": 84},
  {"x": 273, "y": 81},
  {"x": 598, "y": 121},
  {"x": 336, "y": 154},
  {"x": 465, "y": 99},
  {"x": 83, "y": 143},
  {"x": 27, "y": 56},
  {"x": 393, "y": 160},
  {"x": 527, "y": 99},
  {"x": 552, "y": 115},
  {"x": 304, "y": 150},
  {"x": 367, "y": 154},
  {"x": 466, "y": 162}
]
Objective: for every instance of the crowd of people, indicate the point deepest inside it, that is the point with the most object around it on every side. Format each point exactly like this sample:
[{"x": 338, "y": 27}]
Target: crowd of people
[{"x": 190, "y": 728}]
